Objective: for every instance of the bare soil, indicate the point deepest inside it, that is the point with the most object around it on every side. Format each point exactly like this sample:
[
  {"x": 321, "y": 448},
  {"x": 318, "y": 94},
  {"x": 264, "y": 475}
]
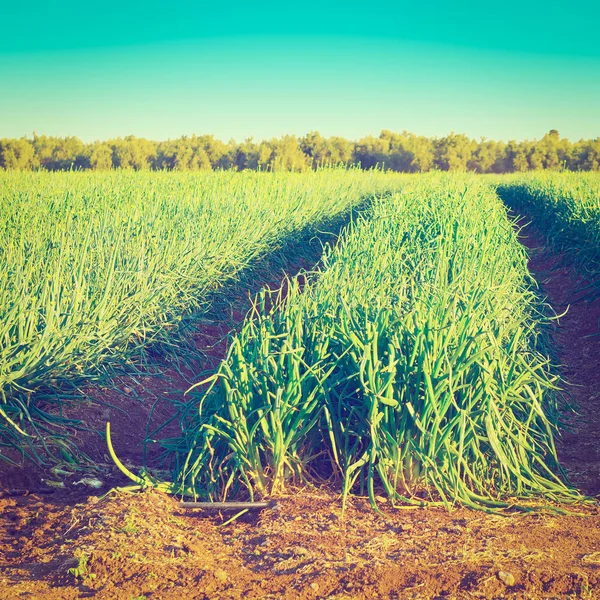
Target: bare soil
[
  {"x": 577, "y": 340},
  {"x": 72, "y": 542}
]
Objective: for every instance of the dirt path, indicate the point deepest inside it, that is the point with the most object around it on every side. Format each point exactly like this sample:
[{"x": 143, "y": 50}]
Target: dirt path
[
  {"x": 577, "y": 338},
  {"x": 66, "y": 544}
]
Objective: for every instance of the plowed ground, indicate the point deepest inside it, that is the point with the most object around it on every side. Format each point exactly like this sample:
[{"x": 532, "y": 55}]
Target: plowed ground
[{"x": 68, "y": 543}]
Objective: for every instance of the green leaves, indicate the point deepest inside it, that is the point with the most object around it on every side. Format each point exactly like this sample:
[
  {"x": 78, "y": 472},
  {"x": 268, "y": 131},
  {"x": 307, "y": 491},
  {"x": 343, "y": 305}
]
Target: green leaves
[
  {"x": 410, "y": 362},
  {"x": 566, "y": 207},
  {"x": 95, "y": 267}
]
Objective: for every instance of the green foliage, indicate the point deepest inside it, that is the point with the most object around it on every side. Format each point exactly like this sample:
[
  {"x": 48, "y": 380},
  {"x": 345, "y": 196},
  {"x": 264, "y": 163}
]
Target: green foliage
[
  {"x": 488, "y": 157},
  {"x": 405, "y": 152},
  {"x": 286, "y": 155},
  {"x": 322, "y": 151},
  {"x": 453, "y": 152},
  {"x": 402, "y": 152},
  {"x": 516, "y": 158},
  {"x": 81, "y": 571},
  {"x": 566, "y": 207},
  {"x": 61, "y": 154},
  {"x": 17, "y": 155},
  {"x": 101, "y": 158},
  {"x": 411, "y": 362},
  {"x": 95, "y": 266},
  {"x": 133, "y": 153},
  {"x": 588, "y": 155}
]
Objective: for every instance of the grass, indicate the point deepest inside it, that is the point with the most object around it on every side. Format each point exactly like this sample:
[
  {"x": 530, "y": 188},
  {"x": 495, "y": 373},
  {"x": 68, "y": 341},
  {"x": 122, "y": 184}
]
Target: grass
[
  {"x": 410, "y": 364},
  {"x": 96, "y": 267}
]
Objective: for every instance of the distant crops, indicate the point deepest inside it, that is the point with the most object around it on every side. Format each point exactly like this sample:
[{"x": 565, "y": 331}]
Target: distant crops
[
  {"x": 409, "y": 364},
  {"x": 93, "y": 266},
  {"x": 566, "y": 208}
]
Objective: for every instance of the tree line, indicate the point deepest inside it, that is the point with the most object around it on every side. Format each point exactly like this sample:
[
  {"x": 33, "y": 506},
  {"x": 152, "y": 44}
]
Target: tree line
[{"x": 402, "y": 152}]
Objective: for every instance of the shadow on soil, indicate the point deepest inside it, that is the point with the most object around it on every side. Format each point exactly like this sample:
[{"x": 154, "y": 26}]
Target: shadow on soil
[
  {"x": 147, "y": 391},
  {"x": 575, "y": 349}
]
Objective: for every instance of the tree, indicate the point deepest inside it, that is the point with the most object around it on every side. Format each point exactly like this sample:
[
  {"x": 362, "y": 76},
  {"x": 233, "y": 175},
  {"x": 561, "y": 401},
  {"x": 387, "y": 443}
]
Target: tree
[
  {"x": 536, "y": 157},
  {"x": 370, "y": 152},
  {"x": 216, "y": 151},
  {"x": 61, "y": 154},
  {"x": 488, "y": 157},
  {"x": 325, "y": 151},
  {"x": 551, "y": 152},
  {"x": 17, "y": 155},
  {"x": 286, "y": 155},
  {"x": 266, "y": 151},
  {"x": 133, "y": 153},
  {"x": 549, "y": 146},
  {"x": 406, "y": 152},
  {"x": 101, "y": 158},
  {"x": 516, "y": 157},
  {"x": 339, "y": 150},
  {"x": 245, "y": 155},
  {"x": 183, "y": 154},
  {"x": 453, "y": 152},
  {"x": 194, "y": 158},
  {"x": 588, "y": 157}
]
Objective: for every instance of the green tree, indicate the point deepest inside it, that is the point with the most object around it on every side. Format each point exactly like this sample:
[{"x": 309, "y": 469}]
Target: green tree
[
  {"x": 551, "y": 152},
  {"x": 216, "y": 151},
  {"x": 183, "y": 154},
  {"x": 588, "y": 155},
  {"x": 286, "y": 155},
  {"x": 453, "y": 152},
  {"x": 339, "y": 150},
  {"x": 370, "y": 152},
  {"x": 406, "y": 152},
  {"x": 101, "y": 157},
  {"x": 17, "y": 155},
  {"x": 536, "y": 157},
  {"x": 264, "y": 158},
  {"x": 550, "y": 147},
  {"x": 515, "y": 160},
  {"x": 245, "y": 155},
  {"x": 488, "y": 157},
  {"x": 325, "y": 151},
  {"x": 133, "y": 153},
  {"x": 61, "y": 153}
]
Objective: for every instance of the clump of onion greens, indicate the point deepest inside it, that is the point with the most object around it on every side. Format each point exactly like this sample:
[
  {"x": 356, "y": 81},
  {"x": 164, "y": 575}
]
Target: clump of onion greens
[{"x": 409, "y": 365}]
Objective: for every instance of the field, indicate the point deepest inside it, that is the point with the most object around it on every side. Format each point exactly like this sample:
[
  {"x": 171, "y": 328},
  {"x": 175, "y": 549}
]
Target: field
[
  {"x": 376, "y": 355},
  {"x": 568, "y": 209},
  {"x": 97, "y": 267}
]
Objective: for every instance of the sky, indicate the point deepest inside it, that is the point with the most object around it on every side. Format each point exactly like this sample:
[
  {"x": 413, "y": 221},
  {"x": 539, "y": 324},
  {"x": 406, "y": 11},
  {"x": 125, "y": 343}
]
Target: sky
[{"x": 509, "y": 70}]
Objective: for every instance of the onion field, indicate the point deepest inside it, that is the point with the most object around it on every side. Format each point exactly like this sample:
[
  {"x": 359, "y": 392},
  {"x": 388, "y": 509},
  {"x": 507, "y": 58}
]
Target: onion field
[
  {"x": 95, "y": 266},
  {"x": 566, "y": 207},
  {"x": 412, "y": 362}
]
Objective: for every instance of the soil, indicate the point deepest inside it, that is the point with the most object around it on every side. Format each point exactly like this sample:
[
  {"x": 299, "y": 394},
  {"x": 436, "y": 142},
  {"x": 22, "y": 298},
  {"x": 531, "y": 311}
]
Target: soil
[
  {"x": 76, "y": 542},
  {"x": 577, "y": 340}
]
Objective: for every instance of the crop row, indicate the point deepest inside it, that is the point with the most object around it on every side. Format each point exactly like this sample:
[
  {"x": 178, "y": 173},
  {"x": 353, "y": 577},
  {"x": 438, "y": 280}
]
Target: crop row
[
  {"x": 566, "y": 208},
  {"x": 411, "y": 364},
  {"x": 94, "y": 266}
]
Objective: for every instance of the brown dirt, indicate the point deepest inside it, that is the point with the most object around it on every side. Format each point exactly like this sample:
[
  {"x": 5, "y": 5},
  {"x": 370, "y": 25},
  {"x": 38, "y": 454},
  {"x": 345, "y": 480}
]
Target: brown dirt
[
  {"x": 144, "y": 545},
  {"x": 577, "y": 340}
]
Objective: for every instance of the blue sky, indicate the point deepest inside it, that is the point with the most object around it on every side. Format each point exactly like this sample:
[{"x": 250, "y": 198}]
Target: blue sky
[{"x": 510, "y": 70}]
